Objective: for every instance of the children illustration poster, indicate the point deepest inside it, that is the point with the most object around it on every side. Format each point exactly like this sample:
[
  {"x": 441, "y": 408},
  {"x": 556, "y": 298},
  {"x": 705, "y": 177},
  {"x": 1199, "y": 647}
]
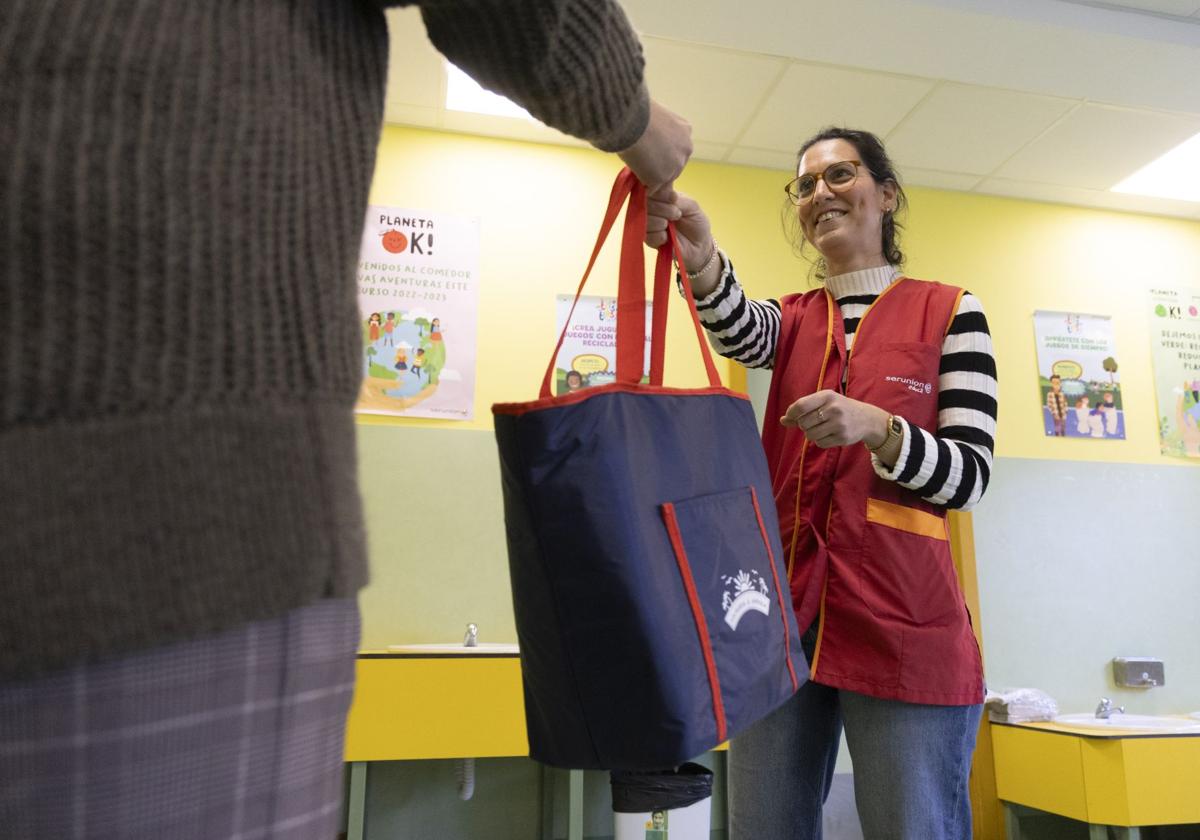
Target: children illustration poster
[
  {"x": 588, "y": 356},
  {"x": 1078, "y": 376},
  {"x": 418, "y": 299},
  {"x": 1175, "y": 349}
]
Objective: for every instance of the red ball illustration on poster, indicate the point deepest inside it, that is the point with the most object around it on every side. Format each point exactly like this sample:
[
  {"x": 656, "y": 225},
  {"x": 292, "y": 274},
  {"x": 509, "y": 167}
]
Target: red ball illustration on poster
[{"x": 395, "y": 242}]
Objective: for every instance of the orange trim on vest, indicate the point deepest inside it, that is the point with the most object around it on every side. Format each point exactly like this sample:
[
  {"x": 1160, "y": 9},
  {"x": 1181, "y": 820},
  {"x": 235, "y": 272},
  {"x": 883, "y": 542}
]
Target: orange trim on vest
[
  {"x": 829, "y": 307},
  {"x": 907, "y": 519},
  {"x": 858, "y": 332},
  {"x": 812, "y": 669},
  {"x": 953, "y": 312}
]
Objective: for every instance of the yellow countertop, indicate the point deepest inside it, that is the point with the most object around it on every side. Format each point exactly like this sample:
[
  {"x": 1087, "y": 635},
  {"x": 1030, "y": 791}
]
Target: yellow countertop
[
  {"x": 1123, "y": 777},
  {"x": 436, "y": 705}
]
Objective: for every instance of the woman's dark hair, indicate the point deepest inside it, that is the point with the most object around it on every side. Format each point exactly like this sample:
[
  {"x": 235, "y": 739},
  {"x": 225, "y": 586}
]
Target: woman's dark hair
[{"x": 875, "y": 158}]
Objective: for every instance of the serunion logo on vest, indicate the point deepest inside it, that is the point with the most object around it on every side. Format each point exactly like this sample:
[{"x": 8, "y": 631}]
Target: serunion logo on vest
[
  {"x": 914, "y": 385},
  {"x": 747, "y": 594}
]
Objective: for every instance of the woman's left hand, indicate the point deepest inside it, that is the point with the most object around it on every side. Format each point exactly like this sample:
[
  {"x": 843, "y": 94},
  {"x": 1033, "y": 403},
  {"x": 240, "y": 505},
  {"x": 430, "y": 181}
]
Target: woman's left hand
[{"x": 832, "y": 419}]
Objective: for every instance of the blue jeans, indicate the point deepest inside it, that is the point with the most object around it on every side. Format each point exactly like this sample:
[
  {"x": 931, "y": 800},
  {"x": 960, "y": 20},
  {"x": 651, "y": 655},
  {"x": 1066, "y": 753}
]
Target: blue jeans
[{"x": 912, "y": 763}]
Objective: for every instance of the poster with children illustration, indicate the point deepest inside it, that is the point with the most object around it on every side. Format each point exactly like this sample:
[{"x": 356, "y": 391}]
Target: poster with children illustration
[
  {"x": 418, "y": 306},
  {"x": 589, "y": 352},
  {"x": 1175, "y": 349},
  {"x": 1080, "y": 390}
]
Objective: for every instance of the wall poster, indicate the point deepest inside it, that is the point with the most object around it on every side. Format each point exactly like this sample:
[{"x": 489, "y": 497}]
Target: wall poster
[
  {"x": 588, "y": 356},
  {"x": 418, "y": 301},
  {"x": 1175, "y": 350},
  {"x": 1077, "y": 376}
]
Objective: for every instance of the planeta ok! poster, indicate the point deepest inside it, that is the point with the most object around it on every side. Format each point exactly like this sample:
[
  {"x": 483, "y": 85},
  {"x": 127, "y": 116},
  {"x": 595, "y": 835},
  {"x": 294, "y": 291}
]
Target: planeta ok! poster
[{"x": 418, "y": 302}]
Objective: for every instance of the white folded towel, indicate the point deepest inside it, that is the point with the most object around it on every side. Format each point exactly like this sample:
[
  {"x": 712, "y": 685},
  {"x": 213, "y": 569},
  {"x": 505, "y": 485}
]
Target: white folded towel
[{"x": 1020, "y": 705}]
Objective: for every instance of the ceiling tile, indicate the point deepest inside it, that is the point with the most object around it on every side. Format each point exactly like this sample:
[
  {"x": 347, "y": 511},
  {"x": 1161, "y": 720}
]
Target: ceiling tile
[
  {"x": 717, "y": 90},
  {"x": 966, "y": 128},
  {"x": 416, "y": 74},
  {"x": 1097, "y": 146},
  {"x": 766, "y": 158},
  {"x": 913, "y": 176},
  {"x": 702, "y": 150},
  {"x": 810, "y": 96},
  {"x": 1039, "y": 46},
  {"x": 1090, "y": 198}
]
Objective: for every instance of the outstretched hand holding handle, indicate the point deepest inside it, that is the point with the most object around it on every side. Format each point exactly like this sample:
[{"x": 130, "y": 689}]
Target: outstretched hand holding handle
[{"x": 660, "y": 154}]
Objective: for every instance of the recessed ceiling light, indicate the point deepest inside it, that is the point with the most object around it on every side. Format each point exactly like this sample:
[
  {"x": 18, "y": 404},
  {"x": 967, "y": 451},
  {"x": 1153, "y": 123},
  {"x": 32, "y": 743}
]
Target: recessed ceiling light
[
  {"x": 465, "y": 94},
  {"x": 1174, "y": 175}
]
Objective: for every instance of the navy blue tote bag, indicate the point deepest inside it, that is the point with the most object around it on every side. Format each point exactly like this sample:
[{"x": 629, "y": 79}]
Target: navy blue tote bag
[{"x": 651, "y": 600}]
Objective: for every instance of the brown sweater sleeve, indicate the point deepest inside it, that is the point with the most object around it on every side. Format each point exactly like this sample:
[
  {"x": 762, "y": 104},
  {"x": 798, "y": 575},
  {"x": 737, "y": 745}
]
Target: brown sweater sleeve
[{"x": 575, "y": 65}]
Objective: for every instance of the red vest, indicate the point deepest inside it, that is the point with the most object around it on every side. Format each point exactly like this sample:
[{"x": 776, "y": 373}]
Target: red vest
[{"x": 866, "y": 556}]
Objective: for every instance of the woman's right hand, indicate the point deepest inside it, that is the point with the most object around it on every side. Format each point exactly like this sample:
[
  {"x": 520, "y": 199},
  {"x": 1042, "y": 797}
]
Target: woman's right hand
[
  {"x": 692, "y": 229},
  {"x": 693, "y": 232}
]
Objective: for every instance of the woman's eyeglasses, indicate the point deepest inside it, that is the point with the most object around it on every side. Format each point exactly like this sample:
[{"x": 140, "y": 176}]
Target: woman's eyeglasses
[{"x": 839, "y": 177}]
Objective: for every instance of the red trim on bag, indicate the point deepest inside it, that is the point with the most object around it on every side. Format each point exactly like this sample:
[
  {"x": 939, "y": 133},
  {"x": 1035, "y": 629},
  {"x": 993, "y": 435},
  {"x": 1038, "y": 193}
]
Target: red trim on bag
[
  {"x": 621, "y": 189},
  {"x": 658, "y": 320},
  {"x": 787, "y": 639},
  {"x": 519, "y": 408},
  {"x": 706, "y": 354},
  {"x": 631, "y": 293},
  {"x": 689, "y": 585}
]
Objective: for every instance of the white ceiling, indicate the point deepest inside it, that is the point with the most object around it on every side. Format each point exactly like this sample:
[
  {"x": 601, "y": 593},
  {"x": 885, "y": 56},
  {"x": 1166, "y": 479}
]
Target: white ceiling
[{"x": 1053, "y": 100}]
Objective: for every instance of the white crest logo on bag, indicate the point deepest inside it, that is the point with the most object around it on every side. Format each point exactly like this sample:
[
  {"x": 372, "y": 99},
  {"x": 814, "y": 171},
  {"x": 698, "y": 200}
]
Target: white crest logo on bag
[{"x": 746, "y": 595}]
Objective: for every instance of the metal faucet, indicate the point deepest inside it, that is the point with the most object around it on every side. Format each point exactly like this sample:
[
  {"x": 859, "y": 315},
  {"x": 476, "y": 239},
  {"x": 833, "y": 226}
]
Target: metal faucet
[
  {"x": 472, "y": 637},
  {"x": 1105, "y": 710}
]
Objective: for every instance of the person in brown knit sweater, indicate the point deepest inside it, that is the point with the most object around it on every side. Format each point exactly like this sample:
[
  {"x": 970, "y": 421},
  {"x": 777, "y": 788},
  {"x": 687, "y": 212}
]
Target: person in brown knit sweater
[{"x": 181, "y": 537}]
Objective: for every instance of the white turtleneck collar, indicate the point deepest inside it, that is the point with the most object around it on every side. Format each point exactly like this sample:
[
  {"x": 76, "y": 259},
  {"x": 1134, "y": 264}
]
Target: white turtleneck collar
[{"x": 867, "y": 281}]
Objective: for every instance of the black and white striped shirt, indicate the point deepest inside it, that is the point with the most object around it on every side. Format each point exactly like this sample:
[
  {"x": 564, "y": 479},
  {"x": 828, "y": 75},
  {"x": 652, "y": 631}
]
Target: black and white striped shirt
[{"x": 949, "y": 467}]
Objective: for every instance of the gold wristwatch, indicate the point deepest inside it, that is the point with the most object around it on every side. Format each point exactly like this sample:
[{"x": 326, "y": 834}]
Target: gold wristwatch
[{"x": 895, "y": 432}]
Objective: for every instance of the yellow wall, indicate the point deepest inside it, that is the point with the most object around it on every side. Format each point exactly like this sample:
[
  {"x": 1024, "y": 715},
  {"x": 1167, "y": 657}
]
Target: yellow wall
[
  {"x": 540, "y": 207},
  {"x": 1019, "y": 256}
]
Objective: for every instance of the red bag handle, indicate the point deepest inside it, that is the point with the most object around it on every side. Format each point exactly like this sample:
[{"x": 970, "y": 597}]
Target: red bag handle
[{"x": 631, "y": 292}]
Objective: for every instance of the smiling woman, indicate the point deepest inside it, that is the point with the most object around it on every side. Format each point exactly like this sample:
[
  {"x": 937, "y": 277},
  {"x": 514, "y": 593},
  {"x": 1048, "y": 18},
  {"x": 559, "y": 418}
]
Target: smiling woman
[
  {"x": 905, "y": 368},
  {"x": 876, "y": 195}
]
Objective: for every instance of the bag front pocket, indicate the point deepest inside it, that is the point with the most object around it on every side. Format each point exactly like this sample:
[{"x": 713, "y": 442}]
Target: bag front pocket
[{"x": 730, "y": 572}]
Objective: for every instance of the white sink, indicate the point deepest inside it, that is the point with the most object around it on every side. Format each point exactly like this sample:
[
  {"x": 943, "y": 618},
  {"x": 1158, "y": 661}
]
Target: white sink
[
  {"x": 452, "y": 648},
  {"x": 1119, "y": 720}
]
